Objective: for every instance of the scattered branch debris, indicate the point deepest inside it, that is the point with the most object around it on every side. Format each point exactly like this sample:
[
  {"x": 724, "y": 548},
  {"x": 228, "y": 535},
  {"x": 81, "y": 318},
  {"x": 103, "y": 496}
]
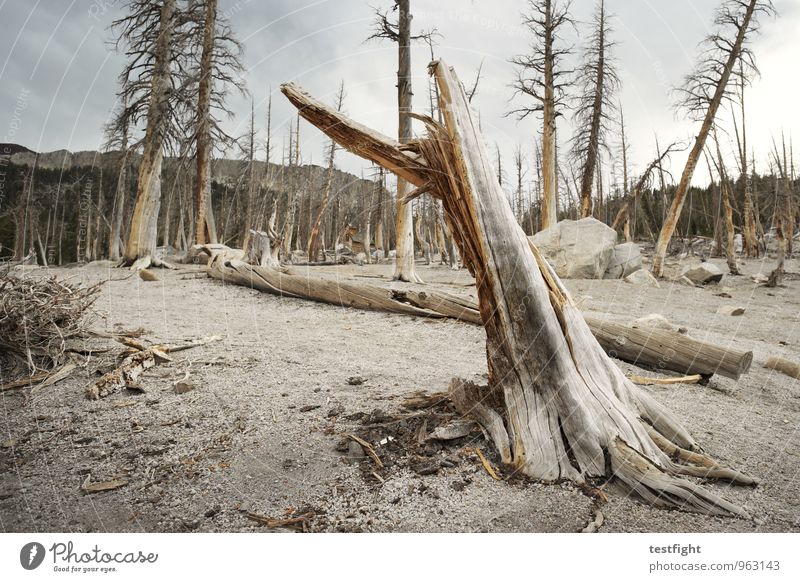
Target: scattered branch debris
[
  {"x": 300, "y": 520},
  {"x": 368, "y": 448},
  {"x": 88, "y": 487},
  {"x": 644, "y": 381},
  {"x": 595, "y": 524},
  {"x": 126, "y": 374},
  {"x": 37, "y": 317},
  {"x": 143, "y": 358},
  {"x": 487, "y": 465}
]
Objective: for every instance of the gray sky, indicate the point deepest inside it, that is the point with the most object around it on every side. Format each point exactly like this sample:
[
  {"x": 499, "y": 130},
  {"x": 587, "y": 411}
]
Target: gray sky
[{"x": 58, "y": 72}]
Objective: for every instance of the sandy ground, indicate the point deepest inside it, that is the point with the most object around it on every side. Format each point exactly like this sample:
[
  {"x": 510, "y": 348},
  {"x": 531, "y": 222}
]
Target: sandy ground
[{"x": 242, "y": 440}]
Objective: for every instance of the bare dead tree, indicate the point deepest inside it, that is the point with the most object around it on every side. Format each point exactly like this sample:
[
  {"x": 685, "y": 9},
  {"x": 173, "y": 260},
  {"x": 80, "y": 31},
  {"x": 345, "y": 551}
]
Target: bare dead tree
[
  {"x": 117, "y": 133},
  {"x": 707, "y": 87},
  {"x": 625, "y": 185},
  {"x": 153, "y": 81},
  {"x": 750, "y": 221},
  {"x": 519, "y": 163},
  {"x": 726, "y": 194},
  {"x": 783, "y": 219},
  {"x": 555, "y": 406},
  {"x": 313, "y": 246},
  {"x": 643, "y": 183},
  {"x": 249, "y": 152},
  {"x": 540, "y": 75},
  {"x": 217, "y": 73},
  {"x": 597, "y": 83},
  {"x": 400, "y": 32}
]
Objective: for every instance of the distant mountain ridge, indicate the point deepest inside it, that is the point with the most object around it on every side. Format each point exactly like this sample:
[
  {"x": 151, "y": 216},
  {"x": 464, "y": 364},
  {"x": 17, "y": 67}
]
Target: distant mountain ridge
[
  {"x": 9, "y": 149},
  {"x": 223, "y": 169}
]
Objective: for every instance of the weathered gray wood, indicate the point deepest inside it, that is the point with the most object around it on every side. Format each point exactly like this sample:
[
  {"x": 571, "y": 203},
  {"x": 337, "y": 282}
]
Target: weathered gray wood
[
  {"x": 567, "y": 409},
  {"x": 662, "y": 349}
]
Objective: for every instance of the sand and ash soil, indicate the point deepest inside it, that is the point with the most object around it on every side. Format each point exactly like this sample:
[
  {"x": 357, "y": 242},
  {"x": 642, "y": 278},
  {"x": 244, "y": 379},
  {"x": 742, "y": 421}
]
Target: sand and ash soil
[{"x": 264, "y": 431}]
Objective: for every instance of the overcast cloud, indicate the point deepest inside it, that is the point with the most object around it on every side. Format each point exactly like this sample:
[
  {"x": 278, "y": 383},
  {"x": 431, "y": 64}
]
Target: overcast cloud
[{"x": 58, "y": 71}]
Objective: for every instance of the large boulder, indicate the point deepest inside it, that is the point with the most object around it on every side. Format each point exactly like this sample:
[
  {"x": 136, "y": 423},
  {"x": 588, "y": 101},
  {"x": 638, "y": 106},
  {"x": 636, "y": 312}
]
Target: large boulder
[
  {"x": 626, "y": 259},
  {"x": 702, "y": 274},
  {"x": 577, "y": 249}
]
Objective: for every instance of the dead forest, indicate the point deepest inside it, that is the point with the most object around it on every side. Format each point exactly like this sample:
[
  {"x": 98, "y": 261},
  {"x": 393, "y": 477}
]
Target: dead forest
[{"x": 538, "y": 266}]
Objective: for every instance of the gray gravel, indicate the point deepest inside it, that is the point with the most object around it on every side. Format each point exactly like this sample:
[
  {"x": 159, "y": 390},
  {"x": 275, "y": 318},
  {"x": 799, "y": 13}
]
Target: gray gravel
[{"x": 239, "y": 442}]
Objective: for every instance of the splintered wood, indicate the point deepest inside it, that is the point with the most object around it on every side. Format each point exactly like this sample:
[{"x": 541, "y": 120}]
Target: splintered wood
[
  {"x": 134, "y": 365},
  {"x": 566, "y": 410}
]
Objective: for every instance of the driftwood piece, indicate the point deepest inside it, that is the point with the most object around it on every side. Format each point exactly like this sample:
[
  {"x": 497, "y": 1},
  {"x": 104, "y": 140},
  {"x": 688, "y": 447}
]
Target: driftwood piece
[
  {"x": 42, "y": 379},
  {"x": 88, "y": 487},
  {"x": 783, "y": 366},
  {"x": 642, "y": 381},
  {"x": 126, "y": 374}
]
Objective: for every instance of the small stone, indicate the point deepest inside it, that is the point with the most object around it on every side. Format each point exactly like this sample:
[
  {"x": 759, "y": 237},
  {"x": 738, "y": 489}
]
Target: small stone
[
  {"x": 355, "y": 380},
  {"x": 335, "y": 411},
  {"x": 148, "y": 275},
  {"x": 355, "y": 451},
  {"x": 732, "y": 310},
  {"x": 642, "y": 277},
  {"x": 183, "y": 386},
  {"x": 425, "y": 465}
]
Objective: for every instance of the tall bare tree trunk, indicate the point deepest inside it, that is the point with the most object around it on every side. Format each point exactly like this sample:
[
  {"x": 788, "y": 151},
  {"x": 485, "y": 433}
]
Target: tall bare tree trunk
[
  {"x": 144, "y": 224},
  {"x": 625, "y": 185},
  {"x": 749, "y": 230},
  {"x": 404, "y": 266},
  {"x": 314, "y": 242},
  {"x": 593, "y": 143},
  {"x": 118, "y": 212},
  {"x": 550, "y": 183},
  {"x": 202, "y": 194},
  {"x": 249, "y": 219},
  {"x": 726, "y": 193},
  {"x": 671, "y": 221}
]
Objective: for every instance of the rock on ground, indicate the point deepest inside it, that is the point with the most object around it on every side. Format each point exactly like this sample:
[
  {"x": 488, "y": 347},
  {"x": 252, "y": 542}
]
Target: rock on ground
[
  {"x": 642, "y": 277},
  {"x": 626, "y": 259},
  {"x": 702, "y": 274},
  {"x": 578, "y": 249}
]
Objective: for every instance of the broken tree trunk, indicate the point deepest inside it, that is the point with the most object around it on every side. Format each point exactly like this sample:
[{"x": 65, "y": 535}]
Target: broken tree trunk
[
  {"x": 264, "y": 248},
  {"x": 568, "y": 411}
]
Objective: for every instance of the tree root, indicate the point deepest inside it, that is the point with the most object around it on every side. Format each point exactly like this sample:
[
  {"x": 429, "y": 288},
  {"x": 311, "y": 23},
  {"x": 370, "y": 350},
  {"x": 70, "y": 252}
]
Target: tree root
[
  {"x": 653, "y": 481},
  {"x": 657, "y": 487}
]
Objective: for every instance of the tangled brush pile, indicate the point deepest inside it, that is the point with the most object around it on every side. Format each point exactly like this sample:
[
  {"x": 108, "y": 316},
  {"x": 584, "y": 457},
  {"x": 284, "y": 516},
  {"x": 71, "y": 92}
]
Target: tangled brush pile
[{"x": 37, "y": 317}]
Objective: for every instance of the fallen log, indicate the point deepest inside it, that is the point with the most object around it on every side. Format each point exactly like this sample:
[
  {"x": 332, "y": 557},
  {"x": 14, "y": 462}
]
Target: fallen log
[
  {"x": 285, "y": 284},
  {"x": 658, "y": 349},
  {"x": 662, "y": 349}
]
